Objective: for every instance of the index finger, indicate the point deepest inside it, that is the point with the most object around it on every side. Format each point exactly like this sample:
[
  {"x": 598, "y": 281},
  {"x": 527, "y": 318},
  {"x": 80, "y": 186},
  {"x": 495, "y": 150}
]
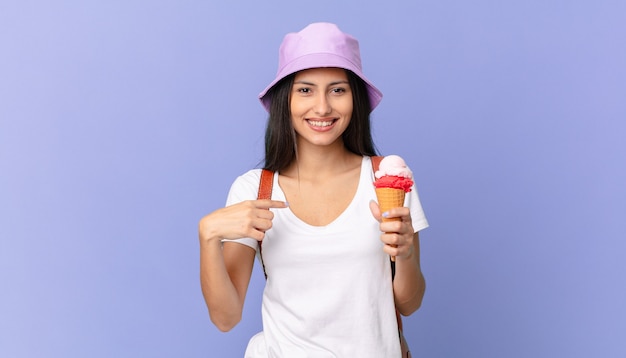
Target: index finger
[
  {"x": 270, "y": 204},
  {"x": 402, "y": 213}
]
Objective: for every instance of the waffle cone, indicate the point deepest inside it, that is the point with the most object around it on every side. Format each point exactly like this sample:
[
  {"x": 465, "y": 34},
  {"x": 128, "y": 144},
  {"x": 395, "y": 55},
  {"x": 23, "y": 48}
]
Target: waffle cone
[{"x": 389, "y": 198}]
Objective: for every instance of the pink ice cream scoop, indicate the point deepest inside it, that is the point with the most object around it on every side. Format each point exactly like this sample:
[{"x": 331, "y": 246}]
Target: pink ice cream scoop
[{"x": 393, "y": 173}]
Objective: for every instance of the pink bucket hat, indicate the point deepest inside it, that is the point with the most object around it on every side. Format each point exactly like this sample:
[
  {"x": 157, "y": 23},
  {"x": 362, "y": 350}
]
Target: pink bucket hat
[{"x": 320, "y": 45}]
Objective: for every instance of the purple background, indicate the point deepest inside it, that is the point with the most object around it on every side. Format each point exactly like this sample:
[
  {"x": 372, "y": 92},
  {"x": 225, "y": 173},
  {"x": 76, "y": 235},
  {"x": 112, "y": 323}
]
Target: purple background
[{"x": 124, "y": 122}]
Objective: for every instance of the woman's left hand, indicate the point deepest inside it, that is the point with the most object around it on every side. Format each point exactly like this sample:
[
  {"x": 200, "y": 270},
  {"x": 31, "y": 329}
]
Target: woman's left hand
[{"x": 396, "y": 235}]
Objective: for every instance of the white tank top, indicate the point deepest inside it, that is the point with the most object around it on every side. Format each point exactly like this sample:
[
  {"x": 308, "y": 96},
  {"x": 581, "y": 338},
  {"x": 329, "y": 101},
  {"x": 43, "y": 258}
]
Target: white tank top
[{"x": 328, "y": 291}]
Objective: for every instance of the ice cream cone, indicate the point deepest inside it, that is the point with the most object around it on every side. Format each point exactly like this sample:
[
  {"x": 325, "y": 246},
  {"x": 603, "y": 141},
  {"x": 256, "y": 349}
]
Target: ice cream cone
[{"x": 389, "y": 198}]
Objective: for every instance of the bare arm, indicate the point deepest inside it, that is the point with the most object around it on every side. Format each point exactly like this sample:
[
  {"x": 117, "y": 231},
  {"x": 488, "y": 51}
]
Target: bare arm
[
  {"x": 402, "y": 242},
  {"x": 225, "y": 270},
  {"x": 224, "y": 285},
  {"x": 409, "y": 284}
]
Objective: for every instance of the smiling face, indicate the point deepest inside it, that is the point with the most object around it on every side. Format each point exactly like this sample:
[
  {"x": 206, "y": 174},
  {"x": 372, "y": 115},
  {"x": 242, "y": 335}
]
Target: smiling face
[{"x": 321, "y": 105}]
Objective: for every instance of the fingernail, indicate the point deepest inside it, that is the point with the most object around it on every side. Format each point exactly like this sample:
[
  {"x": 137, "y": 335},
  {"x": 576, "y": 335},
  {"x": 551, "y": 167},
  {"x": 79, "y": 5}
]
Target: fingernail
[
  {"x": 385, "y": 214},
  {"x": 286, "y": 203}
]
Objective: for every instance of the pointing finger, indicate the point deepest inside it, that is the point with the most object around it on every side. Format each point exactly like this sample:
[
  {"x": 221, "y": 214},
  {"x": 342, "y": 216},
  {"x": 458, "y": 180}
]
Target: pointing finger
[{"x": 270, "y": 204}]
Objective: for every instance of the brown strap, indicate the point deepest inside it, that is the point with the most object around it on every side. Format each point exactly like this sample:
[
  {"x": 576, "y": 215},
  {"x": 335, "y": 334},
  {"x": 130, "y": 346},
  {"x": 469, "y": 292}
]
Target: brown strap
[
  {"x": 265, "y": 192},
  {"x": 399, "y": 318},
  {"x": 265, "y": 187},
  {"x": 376, "y": 162}
]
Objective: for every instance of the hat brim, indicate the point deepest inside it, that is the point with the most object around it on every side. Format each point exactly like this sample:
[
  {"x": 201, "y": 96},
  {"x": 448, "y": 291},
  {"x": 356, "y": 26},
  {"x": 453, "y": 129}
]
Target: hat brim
[{"x": 318, "y": 60}]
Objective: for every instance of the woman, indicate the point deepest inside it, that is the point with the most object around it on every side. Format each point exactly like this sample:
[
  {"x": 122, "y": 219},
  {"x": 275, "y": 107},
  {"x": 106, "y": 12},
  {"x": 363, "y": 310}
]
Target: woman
[{"x": 329, "y": 289}]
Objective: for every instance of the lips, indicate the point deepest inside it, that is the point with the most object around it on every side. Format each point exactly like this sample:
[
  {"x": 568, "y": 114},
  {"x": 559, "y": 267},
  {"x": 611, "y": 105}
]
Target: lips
[{"x": 321, "y": 123}]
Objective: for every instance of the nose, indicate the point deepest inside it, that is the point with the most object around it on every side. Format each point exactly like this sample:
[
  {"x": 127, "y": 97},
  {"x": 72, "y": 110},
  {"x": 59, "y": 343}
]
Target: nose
[{"x": 322, "y": 105}]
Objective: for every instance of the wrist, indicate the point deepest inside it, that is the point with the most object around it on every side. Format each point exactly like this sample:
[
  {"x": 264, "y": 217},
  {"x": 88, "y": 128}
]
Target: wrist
[
  {"x": 207, "y": 232},
  {"x": 410, "y": 256},
  {"x": 210, "y": 241}
]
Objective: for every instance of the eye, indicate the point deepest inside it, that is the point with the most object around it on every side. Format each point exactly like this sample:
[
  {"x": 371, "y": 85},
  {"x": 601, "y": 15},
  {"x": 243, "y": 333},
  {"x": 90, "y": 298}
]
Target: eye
[
  {"x": 338, "y": 90},
  {"x": 304, "y": 90}
]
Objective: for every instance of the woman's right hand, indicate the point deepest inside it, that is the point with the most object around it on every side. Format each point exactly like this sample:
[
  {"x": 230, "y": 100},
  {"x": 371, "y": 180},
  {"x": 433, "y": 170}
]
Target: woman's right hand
[{"x": 249, "y": 218}]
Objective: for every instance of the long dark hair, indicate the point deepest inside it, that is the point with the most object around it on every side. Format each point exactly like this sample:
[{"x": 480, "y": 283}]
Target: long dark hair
[{"x": 280, "y": 137}]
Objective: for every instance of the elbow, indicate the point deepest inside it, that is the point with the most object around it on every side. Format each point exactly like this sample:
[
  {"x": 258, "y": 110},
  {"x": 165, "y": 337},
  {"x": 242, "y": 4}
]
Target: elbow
[
  {"x": 224, "y": 327},
  {"x": 225, "y": 324},
  {"x": 409, "y": 307}
]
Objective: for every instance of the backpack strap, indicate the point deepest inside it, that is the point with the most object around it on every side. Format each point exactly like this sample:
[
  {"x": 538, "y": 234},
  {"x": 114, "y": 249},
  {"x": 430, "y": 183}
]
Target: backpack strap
[
  {"x": 265, "y": 192},
  {"x": 265, "y": 187},
  {"x": 376, "y": 162}
]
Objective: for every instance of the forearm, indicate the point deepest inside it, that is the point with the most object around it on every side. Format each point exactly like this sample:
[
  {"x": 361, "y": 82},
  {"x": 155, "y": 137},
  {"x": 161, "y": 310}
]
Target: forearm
[
  {"x": 225, "y": 270},
  {"x": 409, "y": 284},
  {"x": 222, "y": 299}
]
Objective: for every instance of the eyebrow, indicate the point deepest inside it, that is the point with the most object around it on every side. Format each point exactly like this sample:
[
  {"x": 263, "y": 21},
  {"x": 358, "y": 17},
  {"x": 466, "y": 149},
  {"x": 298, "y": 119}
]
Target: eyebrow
[{"x": 301, "y": 82}]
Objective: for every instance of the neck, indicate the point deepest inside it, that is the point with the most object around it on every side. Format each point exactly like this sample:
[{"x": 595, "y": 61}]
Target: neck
[{"x": 321, "y": 161}]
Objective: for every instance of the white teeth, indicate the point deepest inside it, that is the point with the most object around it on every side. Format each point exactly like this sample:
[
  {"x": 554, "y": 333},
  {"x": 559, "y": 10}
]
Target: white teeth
[{"x": 321, "y": 123}]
